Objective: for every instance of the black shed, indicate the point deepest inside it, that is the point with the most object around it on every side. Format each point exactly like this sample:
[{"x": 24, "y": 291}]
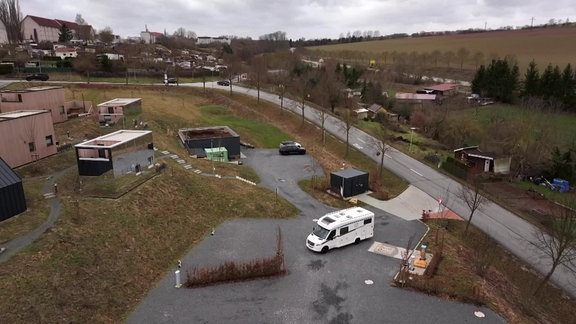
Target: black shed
[
  {"x": 349, "y": 182},
  {"x": 12, "y": 199}
]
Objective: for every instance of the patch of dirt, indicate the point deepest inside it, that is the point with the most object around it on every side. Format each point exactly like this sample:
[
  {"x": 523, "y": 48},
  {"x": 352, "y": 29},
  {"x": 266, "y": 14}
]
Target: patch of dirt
[{"x": 524, "y": 202}]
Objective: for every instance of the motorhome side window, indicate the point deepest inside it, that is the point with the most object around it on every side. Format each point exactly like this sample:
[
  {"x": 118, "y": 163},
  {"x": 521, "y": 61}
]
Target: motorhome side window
[
  {"x": 368, "y": 221},
  {"x": 344, "y": 230}
]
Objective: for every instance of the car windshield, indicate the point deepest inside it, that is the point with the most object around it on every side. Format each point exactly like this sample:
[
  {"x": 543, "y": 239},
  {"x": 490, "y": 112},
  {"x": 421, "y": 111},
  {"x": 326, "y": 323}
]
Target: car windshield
[{"x": 321, "y": 232}]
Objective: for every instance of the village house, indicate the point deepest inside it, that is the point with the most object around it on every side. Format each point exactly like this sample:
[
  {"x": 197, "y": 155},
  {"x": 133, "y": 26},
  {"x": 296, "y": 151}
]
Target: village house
[
  {"x": 482, "y": 162},
  {"x": 38, "y": 29},
  {"x": 373, "y": 110},
  {"x": 444, "y": 89},
  {"x": 64, "y": 52},
  {"x": 206, "y": 40}
]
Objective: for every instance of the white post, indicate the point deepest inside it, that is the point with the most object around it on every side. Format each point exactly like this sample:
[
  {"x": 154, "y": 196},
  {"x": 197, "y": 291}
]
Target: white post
[{"x": 177, "y": 274}]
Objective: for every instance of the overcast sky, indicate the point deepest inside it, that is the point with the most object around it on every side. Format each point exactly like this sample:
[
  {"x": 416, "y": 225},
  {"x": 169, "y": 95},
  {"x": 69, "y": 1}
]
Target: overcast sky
[{"x": 308, "y": 19}]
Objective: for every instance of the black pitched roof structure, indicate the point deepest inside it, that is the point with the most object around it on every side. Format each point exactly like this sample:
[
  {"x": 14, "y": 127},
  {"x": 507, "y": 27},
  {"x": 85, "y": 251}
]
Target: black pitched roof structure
[{"x": 12, "y": 198}]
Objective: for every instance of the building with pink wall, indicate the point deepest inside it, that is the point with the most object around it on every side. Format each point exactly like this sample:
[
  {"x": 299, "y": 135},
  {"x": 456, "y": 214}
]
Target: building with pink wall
[
  {"x": 26, "y": 136},
  {"x": 36, "y": 98}
]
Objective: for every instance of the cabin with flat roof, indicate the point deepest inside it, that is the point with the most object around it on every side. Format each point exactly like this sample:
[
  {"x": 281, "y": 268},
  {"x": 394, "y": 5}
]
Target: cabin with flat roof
[
  {"x": 26, "y": 136},
  {"x": 122, "y": 152}
]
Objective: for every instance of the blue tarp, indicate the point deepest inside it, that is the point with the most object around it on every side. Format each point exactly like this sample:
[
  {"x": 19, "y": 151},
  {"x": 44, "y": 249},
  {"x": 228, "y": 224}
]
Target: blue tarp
[{"x": 561, "y": 185}]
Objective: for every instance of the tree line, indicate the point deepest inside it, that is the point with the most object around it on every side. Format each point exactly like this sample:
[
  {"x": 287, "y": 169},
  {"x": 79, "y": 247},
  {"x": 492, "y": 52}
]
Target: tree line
[{"x": 553, "y": 89}]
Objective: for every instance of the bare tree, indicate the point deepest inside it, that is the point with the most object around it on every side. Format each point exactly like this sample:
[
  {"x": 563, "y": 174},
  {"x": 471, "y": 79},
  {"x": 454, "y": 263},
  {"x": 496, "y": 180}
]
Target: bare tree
[
  {"x": 472, "y": 197},
  {"x": 462, "y": 54},
  {"x": 106, "y": 35},
  {"x": 234, "y": 67},
  {"x": 478, "y": 59},
  {"x": 79, "y": 20},
  {"x": 448, "y": 57},
  {"x": 404, "y": 271},
  {"x": 558, "y": 242},
  {"x": 349, "y": 121},
  {"x": 180, "y": 33},
  {"x": 86, "y": 63},
  {"x": 259, "y": 69},
  {"x": 380, "y": 138},
  {"x": 324, "y": 115},
  {"x": 11, "y": 17}
]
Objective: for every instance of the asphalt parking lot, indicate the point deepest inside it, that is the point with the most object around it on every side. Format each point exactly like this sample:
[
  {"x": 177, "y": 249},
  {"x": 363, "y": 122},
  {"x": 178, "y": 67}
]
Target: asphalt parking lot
[{"x": 319, "y": 288}]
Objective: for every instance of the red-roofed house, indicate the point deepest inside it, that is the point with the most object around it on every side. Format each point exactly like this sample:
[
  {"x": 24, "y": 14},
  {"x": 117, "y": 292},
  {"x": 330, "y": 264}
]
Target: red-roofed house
[
  {"x": 64, "y": 52},
  {"x": 38, "y": 29},
  {"x": 443, "y": 89}
]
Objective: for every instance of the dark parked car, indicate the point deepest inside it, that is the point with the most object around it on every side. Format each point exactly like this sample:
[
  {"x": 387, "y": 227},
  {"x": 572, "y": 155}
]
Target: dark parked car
[
  {"x": 291, "y": 147},
  {"x": 171, "y": 81},
  {"x": 37, "y": 76},
  {"x": 225, "y": 83}
]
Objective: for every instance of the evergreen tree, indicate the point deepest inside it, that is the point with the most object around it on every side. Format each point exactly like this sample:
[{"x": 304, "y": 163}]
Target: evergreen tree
[
  {"x": 531, "y": 84},
  {"x": 479, "y": 82},
  {"x": 105, "y": 63},
  {"x": 546, "y": 82},
  {"x": 65, "y": 34},
  {"x": 568, "y": 82},
  {"x": 499, "y": 80}
]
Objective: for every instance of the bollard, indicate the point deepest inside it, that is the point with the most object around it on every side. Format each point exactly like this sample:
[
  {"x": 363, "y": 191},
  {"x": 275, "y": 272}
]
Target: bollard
[{"x": 177, "y": 274}]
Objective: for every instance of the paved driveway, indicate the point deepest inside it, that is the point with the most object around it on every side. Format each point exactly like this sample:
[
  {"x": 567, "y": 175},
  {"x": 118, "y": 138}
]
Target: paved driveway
[{"x": 319, "y": 288}]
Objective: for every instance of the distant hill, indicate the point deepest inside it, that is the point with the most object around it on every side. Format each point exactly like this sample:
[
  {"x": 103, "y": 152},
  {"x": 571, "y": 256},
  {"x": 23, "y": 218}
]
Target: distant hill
[{"x": 555, "y": 45}]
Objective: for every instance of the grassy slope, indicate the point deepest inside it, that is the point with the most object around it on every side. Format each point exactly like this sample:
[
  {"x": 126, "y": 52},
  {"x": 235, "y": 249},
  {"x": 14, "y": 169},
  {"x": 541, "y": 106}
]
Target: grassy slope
[{"x": 75, "y": 273}]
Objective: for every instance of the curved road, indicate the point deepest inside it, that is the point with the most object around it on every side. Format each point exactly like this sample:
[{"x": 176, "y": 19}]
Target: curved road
[{"x": 509, "y": 230}]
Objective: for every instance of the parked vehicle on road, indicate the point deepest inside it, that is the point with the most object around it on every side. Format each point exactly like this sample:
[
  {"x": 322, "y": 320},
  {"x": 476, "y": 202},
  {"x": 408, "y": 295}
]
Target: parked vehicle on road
[
  {"x": 291, "y": 147},
  {"x": 37, "y": 76},
  {"x": 340, "y": 228},
  {"x": 225, "y": 83},
  {"x": 171, "y": 81}
]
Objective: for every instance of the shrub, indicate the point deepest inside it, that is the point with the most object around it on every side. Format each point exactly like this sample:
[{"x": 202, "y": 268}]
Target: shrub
[
  {"x": 433, "y": 265},
  {"x": 234, "y": 271}
]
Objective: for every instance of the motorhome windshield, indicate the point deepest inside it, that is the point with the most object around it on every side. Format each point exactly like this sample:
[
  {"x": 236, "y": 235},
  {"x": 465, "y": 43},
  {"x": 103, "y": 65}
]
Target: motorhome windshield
[{"x": 321, "y": 232}]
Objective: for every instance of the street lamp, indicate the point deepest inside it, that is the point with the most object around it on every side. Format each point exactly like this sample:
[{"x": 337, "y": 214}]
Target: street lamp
[
  {"x": 411, "y": 136},
  {"x": 281, "y": 86}
]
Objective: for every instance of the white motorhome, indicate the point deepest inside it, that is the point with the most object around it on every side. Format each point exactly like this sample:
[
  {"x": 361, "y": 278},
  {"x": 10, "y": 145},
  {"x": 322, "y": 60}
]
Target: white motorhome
[{"x": 341, "y": 228}]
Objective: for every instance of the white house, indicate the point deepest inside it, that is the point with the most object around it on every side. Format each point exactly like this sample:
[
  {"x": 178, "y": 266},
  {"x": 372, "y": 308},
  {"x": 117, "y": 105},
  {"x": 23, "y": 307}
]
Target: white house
[
  {"x": 149, "y": 37},
  {"x": 205, "y": 40},
  {"x": 64, "y": 52}
]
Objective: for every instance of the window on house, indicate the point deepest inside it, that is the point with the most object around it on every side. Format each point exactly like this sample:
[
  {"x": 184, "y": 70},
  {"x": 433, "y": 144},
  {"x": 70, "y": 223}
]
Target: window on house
[
  {"x": 110, "y": 110},
  {"x": 32, "y": 147},
  {"x": 62, "y": 111},
  {"x": 49, "y": 141}
]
